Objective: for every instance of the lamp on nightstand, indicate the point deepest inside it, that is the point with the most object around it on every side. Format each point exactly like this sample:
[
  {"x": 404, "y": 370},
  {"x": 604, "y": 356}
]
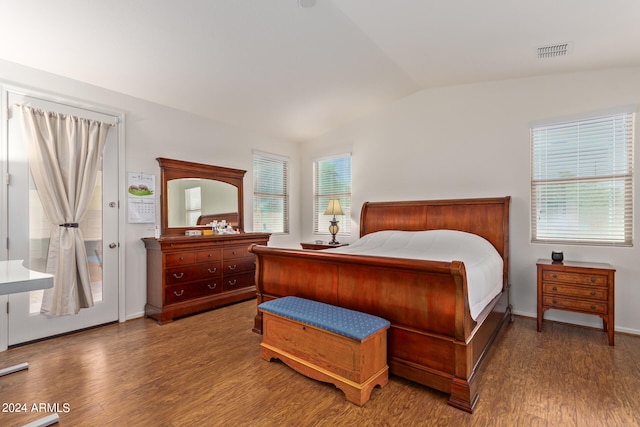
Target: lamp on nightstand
[{"x": 334, "y": 209}]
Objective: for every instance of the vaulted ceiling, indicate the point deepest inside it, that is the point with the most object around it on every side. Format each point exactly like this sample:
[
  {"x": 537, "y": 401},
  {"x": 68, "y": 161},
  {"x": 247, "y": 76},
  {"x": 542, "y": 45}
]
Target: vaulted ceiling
[{"x": 297, "y": 72}]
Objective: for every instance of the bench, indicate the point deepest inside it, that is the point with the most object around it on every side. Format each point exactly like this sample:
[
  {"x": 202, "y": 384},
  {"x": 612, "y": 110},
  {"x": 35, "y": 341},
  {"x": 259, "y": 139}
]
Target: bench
[{"x": 331, "y": 344}]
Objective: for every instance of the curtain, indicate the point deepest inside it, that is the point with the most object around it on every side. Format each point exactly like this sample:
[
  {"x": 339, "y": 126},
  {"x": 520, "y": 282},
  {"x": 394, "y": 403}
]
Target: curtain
[{"x": 65, "y": 153}]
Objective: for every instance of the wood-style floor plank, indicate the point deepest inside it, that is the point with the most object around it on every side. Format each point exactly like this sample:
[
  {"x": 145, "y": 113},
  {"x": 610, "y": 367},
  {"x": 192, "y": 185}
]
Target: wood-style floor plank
[{"x": 206, "y": 370}]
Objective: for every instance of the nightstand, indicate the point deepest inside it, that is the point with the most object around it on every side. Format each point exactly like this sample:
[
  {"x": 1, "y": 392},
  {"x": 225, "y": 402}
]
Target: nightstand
[
  {"x": 582, "y": 287},
  {"x": 320, "y": 246}
]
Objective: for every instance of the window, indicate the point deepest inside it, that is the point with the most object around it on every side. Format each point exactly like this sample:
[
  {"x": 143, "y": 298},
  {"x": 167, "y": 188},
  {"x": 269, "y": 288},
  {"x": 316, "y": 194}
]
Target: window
[
  {"x": 581, "y": 181},
  {"x": 270, "y": 193},
  {"x": 192, "y": 197},
  {"x": 332, "y": 180}
]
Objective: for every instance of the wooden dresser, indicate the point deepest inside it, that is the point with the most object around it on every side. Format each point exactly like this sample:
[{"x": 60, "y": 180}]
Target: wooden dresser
[
  {"x": 581, "y": 287},
  {"x": 186, "y": 275}
]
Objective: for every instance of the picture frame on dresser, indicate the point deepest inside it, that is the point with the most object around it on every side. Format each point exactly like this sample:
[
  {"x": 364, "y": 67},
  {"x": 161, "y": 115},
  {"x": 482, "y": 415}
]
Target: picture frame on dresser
[{"x": 206, "y": 269}]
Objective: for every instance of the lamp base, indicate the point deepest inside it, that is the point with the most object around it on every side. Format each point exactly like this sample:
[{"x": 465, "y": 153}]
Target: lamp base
[{"x": 333, "y": 229}]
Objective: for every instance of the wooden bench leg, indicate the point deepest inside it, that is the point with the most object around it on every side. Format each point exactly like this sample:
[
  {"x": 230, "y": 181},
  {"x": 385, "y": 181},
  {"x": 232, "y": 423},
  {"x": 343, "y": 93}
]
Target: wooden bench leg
[{"x": 361, "y": 393}]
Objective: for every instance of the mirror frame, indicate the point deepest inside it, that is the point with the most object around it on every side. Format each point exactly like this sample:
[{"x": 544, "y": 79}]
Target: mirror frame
[{"x": 171, "y": 169}]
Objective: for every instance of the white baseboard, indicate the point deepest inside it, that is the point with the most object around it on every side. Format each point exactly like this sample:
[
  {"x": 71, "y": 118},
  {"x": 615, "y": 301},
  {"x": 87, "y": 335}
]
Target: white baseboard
[
  {"x": 135, "y": 315},
  {"x": 564, "y": 317}
]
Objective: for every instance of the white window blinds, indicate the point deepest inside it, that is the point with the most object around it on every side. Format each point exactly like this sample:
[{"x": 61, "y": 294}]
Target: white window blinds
[
  {"x": 270, "y": 193},
  {"x": 581, "y": 181},
  {"x": 332, "y": 180}
]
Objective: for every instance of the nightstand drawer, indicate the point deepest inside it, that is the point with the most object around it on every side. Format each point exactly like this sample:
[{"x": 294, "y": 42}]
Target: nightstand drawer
[
  {"x": 577, "y": 305},
  {"x": 598, "y": 293},
  {"x": 575, "y": 278}
]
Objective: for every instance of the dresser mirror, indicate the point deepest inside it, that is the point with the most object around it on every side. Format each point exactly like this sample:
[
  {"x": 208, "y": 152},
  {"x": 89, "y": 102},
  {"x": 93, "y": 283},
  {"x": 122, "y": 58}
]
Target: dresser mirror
[{"x": 195, "y": 194}]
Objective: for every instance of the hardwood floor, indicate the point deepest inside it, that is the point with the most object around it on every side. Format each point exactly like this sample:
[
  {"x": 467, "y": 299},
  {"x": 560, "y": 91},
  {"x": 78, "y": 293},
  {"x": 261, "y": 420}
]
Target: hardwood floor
[{"x": 205, "y": 370}]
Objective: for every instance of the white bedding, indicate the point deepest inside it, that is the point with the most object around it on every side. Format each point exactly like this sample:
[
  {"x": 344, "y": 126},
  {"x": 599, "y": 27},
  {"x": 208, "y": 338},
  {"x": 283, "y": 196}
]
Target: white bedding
[{"x": 482, "y": 261}]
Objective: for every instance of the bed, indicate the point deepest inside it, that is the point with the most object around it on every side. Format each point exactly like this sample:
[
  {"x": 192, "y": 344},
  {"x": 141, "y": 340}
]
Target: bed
[{"x": 433, "y": 340}]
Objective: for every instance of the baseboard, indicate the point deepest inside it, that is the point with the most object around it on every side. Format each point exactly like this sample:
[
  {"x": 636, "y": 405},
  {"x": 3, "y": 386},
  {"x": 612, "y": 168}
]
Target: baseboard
[
  {"x": 593, "y": 321},
  {"x": 135, "y": 315}
]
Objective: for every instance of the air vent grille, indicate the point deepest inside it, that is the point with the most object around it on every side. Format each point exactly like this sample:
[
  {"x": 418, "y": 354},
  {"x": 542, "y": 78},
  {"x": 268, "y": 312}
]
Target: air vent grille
[{"x": 554, "y": 50}]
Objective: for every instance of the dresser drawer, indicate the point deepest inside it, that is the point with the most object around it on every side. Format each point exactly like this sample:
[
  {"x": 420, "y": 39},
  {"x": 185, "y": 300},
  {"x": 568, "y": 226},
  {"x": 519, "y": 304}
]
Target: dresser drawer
[
  {"x": 208, "y": 255},
  {"x": 238, "y": 265},
  {"x": 236, "y": 252},
  {"x": 598, "y": 293},
  {"x": 237, "y": 281},
  {"x": 181, "y": 258},
  {"x": 596, "y": 307},
  {"x": 179, "y": 293},
  {"x": 191, "y": 273},
  {"x": 575, "y": 278}
]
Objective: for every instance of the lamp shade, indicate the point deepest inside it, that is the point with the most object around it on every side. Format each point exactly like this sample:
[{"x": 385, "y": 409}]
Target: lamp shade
[{"x": 334, "y": 208}]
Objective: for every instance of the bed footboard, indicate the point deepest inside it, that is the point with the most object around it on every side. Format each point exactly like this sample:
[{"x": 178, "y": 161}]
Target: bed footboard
[{"x": 416, "y": 294}]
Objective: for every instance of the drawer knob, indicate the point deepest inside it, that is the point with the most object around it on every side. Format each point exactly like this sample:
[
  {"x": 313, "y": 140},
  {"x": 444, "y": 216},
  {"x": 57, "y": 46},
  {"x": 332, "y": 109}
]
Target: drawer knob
[
  {"x": 181, "y": 258},
  {"x": 212, "y": 271},
  {"x": 593, "y": 293},
  {"x": 209, "y": 255},
  {"x": 232, "y": 282},
  {"x": 178, "y": 294},
  {"x": 233, "y": 267},
  {"x": 555, "y": 302},
  {"x": 555, "y": 276},
  {"x": 555, "y": 288},
  {"x": 178, "y": 276},
  {"x": 593, "y": 280},
  {"x": 234, "y": 252},
  {"x": 212, "y": 287},
  {"x": 593, "y": 307}
]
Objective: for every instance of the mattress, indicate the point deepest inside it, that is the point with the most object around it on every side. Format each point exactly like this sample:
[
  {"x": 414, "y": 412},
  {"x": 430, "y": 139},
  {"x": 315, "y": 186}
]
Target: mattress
[{"x": 483, "y": 263}]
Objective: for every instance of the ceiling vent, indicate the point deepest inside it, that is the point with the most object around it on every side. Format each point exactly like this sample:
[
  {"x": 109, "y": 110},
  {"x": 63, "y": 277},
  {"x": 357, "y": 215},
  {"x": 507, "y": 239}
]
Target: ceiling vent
[{"x": 554, "y": 50}]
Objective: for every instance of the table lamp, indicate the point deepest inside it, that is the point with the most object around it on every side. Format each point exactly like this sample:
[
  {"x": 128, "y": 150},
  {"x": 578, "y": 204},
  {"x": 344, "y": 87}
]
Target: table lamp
[{"x": 334, "y": 209}]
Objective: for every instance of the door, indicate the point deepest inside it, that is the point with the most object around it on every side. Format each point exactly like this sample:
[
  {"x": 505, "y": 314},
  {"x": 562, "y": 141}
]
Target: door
[{"x": 28, "y": 232}]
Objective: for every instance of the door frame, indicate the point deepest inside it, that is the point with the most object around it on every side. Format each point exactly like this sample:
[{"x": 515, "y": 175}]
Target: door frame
[{"x": 5, "y": 111}]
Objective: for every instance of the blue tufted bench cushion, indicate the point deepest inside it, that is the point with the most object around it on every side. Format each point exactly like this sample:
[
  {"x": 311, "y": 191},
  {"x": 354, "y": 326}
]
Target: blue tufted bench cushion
[{"x": 339, "y": 320}]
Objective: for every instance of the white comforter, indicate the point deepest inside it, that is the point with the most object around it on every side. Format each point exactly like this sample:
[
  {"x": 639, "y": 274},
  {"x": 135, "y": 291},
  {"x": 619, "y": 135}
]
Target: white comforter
[{"x": 481, "y": 260}]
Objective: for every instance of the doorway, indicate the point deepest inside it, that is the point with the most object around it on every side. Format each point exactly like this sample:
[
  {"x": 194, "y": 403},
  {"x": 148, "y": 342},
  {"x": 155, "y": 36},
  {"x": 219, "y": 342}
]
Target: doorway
[{"x": 28, "y": 230}]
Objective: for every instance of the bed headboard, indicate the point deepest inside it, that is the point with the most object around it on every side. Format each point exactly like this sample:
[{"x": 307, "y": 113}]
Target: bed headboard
[{"x": 488, "y": 218}]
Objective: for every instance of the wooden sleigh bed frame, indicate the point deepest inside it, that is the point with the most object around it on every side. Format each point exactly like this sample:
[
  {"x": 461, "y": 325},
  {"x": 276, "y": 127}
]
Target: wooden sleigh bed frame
[{"x": 432, "y": 339}]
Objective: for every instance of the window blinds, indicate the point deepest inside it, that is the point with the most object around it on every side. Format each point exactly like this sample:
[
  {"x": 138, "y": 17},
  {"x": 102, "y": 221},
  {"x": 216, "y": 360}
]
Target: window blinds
[
  {"x": 332, "y": 180},
  {"x": 270, "y": 193},
  {"x": 581, "y": 181}
]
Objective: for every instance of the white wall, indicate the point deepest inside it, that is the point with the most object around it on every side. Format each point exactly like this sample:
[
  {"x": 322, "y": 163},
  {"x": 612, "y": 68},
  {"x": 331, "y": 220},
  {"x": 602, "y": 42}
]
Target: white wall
[
  {"x": 155, "y": 131},
  {"x": 464, "y": 141},
  {"x": 473, "y": 141}
]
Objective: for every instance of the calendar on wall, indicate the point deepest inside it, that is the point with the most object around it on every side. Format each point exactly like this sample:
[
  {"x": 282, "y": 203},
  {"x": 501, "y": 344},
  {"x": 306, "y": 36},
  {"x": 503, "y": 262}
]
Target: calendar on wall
[{"x": 141, "y": 197}]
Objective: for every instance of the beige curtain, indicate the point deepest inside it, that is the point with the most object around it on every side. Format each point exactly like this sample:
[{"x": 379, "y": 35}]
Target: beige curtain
[{"x": 65, "y": 153}]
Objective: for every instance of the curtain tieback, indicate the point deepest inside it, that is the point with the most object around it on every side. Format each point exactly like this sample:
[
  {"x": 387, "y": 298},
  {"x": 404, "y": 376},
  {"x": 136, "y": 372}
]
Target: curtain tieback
[{"x": 69, "y": 224}]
